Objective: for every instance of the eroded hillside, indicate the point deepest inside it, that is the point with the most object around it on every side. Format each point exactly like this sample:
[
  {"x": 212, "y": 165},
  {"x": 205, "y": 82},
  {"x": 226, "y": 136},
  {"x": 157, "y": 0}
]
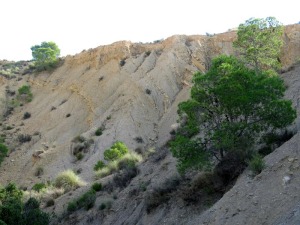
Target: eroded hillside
[{"x": 131, "y": 92}]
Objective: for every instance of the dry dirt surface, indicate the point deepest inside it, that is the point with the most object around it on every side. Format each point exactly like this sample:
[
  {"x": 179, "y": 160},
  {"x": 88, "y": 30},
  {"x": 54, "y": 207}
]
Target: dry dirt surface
[{"x": 132, "y": 91}]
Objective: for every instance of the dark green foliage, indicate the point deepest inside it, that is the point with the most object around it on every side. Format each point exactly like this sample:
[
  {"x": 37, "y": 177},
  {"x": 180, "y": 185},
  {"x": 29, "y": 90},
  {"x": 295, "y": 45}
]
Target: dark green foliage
[
  {"x": 32, "y": 214},
  {"x": 97, "y": 187},
  {"x": 99, "y": 165},
  {"x": 99, "y": 131},
  {"x": 189, "y": 153},
  {"x": 256, "y": 164},
  {"x": 231, "y": 106},
  {"x": 45, "y": 55},
  {"x": 38, "y": 187},
  {"x": 87, "y": 201},
  {"x": 3, "y": 152},
  {"x": 26, "y": 115},
  {"x": 116, "y": 151},
  {"x": 13, "y": 211}
]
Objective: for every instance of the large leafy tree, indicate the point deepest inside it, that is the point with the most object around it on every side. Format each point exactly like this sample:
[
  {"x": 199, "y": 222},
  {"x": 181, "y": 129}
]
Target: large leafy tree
[
  {"x": 259, "y": 42},
  {"x": 231, "y": 107},
  {"x": 45, "y": 55}
]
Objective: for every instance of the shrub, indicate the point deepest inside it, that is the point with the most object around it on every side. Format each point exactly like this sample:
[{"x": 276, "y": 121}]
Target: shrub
[
  {"x": 38, "y": 187},
  {"x": 39, "y": 171},
  {"x": 256, "y": 164},
  {"x": 26, "y": 115},
  {"x": 24, "y": 93},
  {"x": 87, "y": 201},
  {"x": 139, "y": 139},
  {"x": 3, "y": 152},
  {"x": 22, "y": 138},
  {"x": 50, "y": 202},
  {"x": 123, "y": 178},
  {"x": 99, "y": 131},
  {"x": 99, "y": 165},
  {"x": 122, "y": 62},
  {"x": 129, "y": 160},
  {"x": 79, "y": 156},
  {"x": 97, "y": 187},
  {"x": 117, "y": 150},
  {"x": 68, "y": 180},
  {"x": 148, "y": 91},
  {"x": 105, "y": 205},
  {"x": 161, "y": 194}
]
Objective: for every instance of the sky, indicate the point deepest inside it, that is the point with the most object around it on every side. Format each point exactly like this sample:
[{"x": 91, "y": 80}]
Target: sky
[{"x": 76, "y": 25}]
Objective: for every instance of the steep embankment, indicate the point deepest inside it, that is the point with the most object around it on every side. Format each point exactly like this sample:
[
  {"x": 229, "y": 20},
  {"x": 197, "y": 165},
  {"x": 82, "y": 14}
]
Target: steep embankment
[{"x": 132, "y": 91}]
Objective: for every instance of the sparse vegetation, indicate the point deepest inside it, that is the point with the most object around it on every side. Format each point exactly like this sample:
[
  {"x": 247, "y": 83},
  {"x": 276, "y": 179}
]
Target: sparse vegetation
[
  {"x": 39, "y": 171},
  {"x": 87, "y": 201},
  {"x": 24, "y": 93},
  {"x": 23, "y": 138},
  {"x": 161, "y": 194},
  {"x": 3, "y": 152},
  {"x": 99, "y": 165},
  {"x": 68, "y": 180},
  {"x": 97, "y": 187},
  {"x": 256, "y": 164},
  {"x": 99, "y": 131},
  {"x": 38, "y": 187},
  {"x": 26, "y": 115},
  {"x": 129, "y": 160}
]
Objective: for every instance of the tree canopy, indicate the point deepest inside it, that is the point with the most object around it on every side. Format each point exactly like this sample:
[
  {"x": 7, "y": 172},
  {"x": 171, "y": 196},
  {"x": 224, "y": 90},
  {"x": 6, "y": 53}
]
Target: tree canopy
[
  {"x": 231, "y": 106},
  {"x": 45, "y": 55},
  {"x": 259, "y": 42}
]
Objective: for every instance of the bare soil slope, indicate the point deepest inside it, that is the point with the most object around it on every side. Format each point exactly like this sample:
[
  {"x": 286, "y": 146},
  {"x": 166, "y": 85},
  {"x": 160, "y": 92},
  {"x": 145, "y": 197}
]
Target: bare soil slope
[{"x": 132, "y": 91}]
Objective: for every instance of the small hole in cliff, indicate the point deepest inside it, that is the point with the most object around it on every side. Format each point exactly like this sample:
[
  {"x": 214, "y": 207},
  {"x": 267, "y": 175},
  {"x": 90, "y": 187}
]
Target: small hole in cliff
[
  {"x": 101, "y": 78},
  {"x": 68, "y": 115},
  {"x": 148, "y": 91}
]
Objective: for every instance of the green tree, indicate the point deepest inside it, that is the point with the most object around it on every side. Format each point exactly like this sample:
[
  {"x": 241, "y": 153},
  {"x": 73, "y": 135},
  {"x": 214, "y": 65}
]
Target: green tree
[
  {"x": 45, "y": 55},
  {"x": 231, "y": 107},
  {"x": 259, "y": 42}
]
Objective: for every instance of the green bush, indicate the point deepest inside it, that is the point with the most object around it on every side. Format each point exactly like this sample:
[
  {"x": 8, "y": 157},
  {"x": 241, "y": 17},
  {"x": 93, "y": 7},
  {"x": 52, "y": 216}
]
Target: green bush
[
  {"x": 25, "y": 93},
  {"x": 99, "y": 165},
  {"x": 129, "y": 160},
  {"x": 87, "y": 201},
  {"x": 38, "y": 187},
  {"x": 116, "y": 151},
  {"x": 68, "y": 180},
  {"x": 99, "y": 131},
  {"x": 3, "y": 152},
  {"x": 97, "y": 187},
  {"x": 256, "y": 164}
]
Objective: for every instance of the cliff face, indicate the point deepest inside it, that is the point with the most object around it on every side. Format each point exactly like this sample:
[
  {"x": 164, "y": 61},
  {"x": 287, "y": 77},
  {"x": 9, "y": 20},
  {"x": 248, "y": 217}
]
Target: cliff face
[{"x": 131, "y": 91}]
